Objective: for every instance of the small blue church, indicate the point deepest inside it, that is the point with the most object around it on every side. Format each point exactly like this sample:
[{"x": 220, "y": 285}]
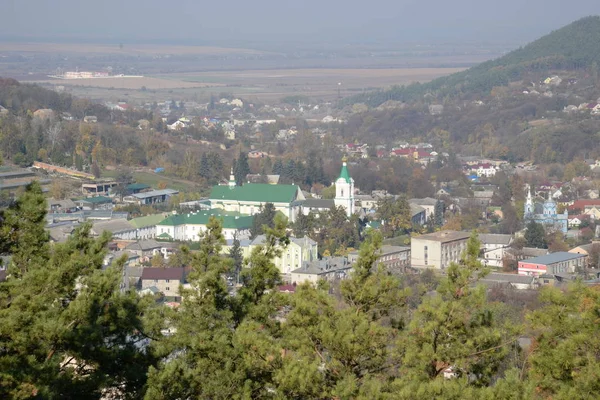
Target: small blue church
[{"x": 545, "y": 213}]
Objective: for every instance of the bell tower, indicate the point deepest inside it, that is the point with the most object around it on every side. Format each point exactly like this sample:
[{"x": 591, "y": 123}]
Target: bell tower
[{"x": 344, "y": 189}]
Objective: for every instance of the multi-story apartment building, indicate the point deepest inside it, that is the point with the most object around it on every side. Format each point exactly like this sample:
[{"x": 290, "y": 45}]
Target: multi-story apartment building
[{"x": 437, "y": 250}]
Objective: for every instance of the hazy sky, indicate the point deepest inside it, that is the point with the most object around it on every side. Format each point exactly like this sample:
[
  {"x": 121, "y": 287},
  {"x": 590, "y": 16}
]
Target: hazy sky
[{"x": 277, "y": 21}]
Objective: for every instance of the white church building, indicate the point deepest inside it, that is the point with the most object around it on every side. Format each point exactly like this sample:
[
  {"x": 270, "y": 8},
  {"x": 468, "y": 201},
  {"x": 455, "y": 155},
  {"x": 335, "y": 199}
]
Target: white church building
[
  {"x": 344, "y": 189},
  {"x": 344, "y": 195}
]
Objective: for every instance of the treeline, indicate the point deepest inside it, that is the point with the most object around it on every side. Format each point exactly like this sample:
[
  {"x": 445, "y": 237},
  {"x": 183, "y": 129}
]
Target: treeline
[
  {"x": 302, "y": 172},
  {"x": 26, "y": 139},
  {"x": 68, "y": 331},
  {"x": 575, "y": 46}
]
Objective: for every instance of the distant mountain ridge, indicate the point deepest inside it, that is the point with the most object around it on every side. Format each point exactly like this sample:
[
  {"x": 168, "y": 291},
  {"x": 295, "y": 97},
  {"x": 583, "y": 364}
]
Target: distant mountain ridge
[{"x": 575, "y": 46}]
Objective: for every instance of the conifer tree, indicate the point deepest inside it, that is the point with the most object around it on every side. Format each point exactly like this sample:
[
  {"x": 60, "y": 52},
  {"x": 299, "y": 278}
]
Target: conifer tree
[
  {"x": 438, "y": 213},
  {"x": 222, "y": 344},
  {"x": 66, "y": 330},
  {"x": 22, "y": 233},
  {"x": 241, "y": 169},
  {"x": 342, "y": 350},
  {"x": 564, "y": 363},
  {"x": 278, "y": 167},
  {"x": 264, "y": 218},
  {"x": 535, "y": 235},
  {"x": 455, "y": 330},
  {"x": 238, "y": 259}
]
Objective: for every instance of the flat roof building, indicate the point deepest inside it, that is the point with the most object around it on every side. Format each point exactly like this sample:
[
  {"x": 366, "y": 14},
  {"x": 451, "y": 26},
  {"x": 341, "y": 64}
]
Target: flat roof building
[
  {"x": 555, "y": 263},
  {"x": 437, "y": 250},
  {"x": 152, "y": 197}
]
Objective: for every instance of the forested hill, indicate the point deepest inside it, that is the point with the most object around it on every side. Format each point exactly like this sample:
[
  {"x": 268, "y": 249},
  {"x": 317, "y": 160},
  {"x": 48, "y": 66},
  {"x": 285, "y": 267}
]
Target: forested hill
[{"x": 575, "y": 46}]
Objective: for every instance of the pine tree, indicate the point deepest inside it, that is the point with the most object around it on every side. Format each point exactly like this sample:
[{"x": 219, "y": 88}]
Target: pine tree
[
  {"x": 241, "y": 169},
  {"x": 305, "y": 225},
  {"x": 78, "y": 162},
  {"x": 564, "y": 362},
  {"x": 438, "y": 213},
  {"x": 288, "y": 172},
  {"x": 455, "y": 328},
  {"x": 204, "y": 167},
  {"x": 535, "y": 235},
  {"x": 238, "y": 259},
  {"x": 223, "y": 346},
  {"x": 67, "y": 331},
  {"x": 22, "y": 232},
  {"x": 278, "y": 167},
  {"x": 215, "y": 166},
  {"x": 264, "y": 218},
  {"x": 342, "y": 350}
]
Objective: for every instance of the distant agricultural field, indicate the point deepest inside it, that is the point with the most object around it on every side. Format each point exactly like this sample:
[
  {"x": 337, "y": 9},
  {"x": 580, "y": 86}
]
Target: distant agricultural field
[
  {"x": 261, "y": 84},
  {"x": 149, "y": 83}
]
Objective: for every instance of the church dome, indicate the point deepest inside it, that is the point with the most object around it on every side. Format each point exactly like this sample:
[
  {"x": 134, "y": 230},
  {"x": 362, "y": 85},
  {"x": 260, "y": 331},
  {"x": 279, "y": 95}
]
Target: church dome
[{"x": 344, "y": 174}]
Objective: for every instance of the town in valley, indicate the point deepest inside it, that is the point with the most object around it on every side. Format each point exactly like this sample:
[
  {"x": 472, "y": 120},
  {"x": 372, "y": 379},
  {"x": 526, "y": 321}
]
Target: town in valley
[{"x": 316, "y": 221}]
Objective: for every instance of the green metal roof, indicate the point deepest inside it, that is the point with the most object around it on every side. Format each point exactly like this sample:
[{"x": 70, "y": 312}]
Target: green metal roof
[
  {"x": 97, "y": 200},
  {"x": 257, "y": 192},
  {"x": 344, "y": 174},
  {"x": 149, "y": 220},
  {"x": 229, "y": 220}
]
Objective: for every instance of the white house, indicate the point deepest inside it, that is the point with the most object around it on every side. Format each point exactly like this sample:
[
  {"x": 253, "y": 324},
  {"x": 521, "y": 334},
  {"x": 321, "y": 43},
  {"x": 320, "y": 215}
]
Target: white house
[
  {"x": 486, "y": 169},
  {"x": 493, "y": 247},
  {"x": 427, "y": 203},
  {"x": 329, "y": 269},
  {"x": 236, "y": 103}
]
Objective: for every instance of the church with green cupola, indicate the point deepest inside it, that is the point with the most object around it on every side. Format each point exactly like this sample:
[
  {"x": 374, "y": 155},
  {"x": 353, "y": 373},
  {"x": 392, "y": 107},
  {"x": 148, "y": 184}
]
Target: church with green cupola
[{"x": 344, "y": 189}]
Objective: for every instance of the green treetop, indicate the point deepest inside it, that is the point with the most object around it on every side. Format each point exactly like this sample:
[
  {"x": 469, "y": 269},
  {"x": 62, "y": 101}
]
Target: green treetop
[{"x": 67, "y": 331}]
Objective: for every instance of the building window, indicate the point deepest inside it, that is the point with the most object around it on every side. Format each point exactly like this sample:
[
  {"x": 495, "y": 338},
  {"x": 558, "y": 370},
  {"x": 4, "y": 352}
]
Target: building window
[
  {"x": 167, "y": 288},
  {"x": 167, "y": 281},
  {"x": 156, "y": 281}
]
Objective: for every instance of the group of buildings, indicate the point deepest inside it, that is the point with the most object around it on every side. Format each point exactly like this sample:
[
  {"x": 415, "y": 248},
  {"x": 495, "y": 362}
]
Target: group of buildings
[
  {"x": 236, "y": 205},
  {"x": 299, "y": 262}
]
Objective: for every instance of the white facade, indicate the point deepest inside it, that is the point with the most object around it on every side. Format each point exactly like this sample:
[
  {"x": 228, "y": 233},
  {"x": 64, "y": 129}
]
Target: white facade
[
  {"x": 437, "y": 250},
  {"x": 344, "y": 190},
  {"x": 494, "y": 247},
  {"x": 191, "y": 232},
  {"x": 486, "y": 170}
]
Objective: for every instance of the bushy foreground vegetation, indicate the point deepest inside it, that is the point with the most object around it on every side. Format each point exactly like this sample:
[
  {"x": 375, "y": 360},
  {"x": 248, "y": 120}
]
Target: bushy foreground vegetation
[{"x": 67, "y": 331}]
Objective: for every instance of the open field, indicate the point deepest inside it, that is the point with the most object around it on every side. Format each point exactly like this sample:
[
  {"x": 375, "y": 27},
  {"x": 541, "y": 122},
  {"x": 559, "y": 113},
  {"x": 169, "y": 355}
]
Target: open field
[
  {"x": 260, "y": 84},
  {"x": 317, "y": 76},
  {"x": 149, "y": 83}
]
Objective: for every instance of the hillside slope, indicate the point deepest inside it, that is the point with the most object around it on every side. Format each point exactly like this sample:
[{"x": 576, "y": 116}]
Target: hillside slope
[{"x": 575, "y": 46}]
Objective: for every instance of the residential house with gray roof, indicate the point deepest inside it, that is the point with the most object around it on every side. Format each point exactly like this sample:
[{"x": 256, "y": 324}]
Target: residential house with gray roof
[{"x": 494, "y": 247}]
